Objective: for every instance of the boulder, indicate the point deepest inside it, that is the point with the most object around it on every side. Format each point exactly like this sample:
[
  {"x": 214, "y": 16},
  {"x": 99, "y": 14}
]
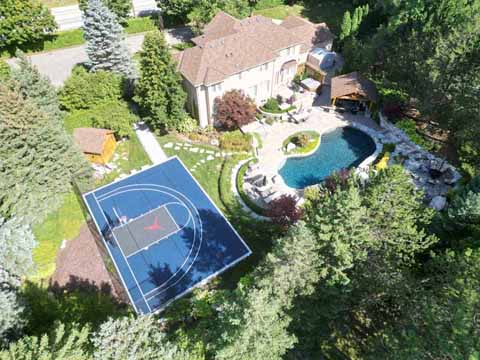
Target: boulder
[
  {"x": 438, "y": 203},
  {"x": 291, "y": 146}
]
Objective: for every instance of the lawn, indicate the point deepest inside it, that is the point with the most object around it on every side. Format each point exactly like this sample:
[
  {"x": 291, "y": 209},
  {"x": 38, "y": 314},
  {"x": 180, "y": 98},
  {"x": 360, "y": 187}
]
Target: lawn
[
  {"x": 314, "y": 138},
  {"x": 328, "y": 11},
  {"x": 58, "y": 3},
  {"x": 65, "y": 223}
]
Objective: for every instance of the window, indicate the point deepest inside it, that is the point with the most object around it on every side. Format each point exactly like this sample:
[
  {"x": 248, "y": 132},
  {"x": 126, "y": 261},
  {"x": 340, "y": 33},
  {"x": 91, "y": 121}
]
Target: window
[
  {"x": 240, "y": 76},
  {"x": 217, "y": 87},
  {"x": 264, "y": 67},
  {"x": 252, "y": 91}
]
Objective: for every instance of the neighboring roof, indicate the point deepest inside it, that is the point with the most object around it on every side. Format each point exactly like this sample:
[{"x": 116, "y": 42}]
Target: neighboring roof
[
  {"x": 311, "y": 34},
  {"x": 353, "y": 83},
  {"x": 91, "y": 140},
  {"x": 229, "y": 46}
]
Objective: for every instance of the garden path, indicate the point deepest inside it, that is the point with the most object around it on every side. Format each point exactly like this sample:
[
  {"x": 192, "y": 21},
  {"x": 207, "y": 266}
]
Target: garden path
[{"x": 150, "y": 143}]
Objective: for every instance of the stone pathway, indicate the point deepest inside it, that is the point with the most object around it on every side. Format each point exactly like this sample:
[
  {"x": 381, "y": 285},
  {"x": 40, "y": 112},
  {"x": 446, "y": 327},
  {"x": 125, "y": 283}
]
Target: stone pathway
[
  {"x": 205, "y": 155},
  {"x": 150, "y": 143}
]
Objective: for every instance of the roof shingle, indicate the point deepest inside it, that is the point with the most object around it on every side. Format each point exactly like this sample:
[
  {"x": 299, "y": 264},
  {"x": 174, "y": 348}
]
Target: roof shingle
[{"x": 353, "y": 83}]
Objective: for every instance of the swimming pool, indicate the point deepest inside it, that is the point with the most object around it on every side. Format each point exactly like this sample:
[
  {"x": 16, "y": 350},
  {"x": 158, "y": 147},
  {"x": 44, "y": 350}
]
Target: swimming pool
[{"x": 341, "y": 148}]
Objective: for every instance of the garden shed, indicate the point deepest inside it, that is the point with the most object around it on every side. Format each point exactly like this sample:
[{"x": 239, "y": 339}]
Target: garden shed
[
  {"x": 98, "y": 145},
  {"x": 353, "y": 88}
]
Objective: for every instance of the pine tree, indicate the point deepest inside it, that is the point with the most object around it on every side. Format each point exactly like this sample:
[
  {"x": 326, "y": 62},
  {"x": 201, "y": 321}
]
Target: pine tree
[
  {"x": 35, "y": 86},
  {"x": 39, "y": 160},
  {"x": 159, "y": 91},
  {"x": 134, "y": 338},
  {"x": 16, "y": 245},
  {"x": 346, "y": 27},
  {"x": 121, "y": 8},
  {"x": 63, "y": 344},
  {"x": 106, "y": 45}
]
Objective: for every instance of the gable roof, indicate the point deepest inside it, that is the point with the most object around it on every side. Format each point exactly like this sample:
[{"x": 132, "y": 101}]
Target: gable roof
[
  {"x": 229, "y": 46},
  {"x": 91, "y": 140},
  {"x": 353, "y": 83},
  {"x": 311, "y": 34}
]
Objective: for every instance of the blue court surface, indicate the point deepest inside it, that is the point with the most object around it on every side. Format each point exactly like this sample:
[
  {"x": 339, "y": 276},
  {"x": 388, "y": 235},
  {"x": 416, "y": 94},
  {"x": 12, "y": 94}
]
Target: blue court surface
[{"x": 164, "y": 234}]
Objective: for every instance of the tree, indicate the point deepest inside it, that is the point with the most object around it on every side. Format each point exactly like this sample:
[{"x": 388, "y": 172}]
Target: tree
[
  {"x": 159, "y": 91},
  {"x": 255, "y": 321},
  {"x": 39, "y": 159},
  {"x": 134, "y": 338},
  {"x": 178, "y": 9},
  {"x": 346, "y": 27},
  {"x": 234, "y": 109},
  {"x": 284, "y": 211},
  {"x": 121, "y": 8},
  {"x": 106, "y": 46},
  {"x": 24, "y": 22},
  {"x": 63, "y": 344},
  {"x": 36, "y": 87},
  {"x": 356, "y": 19},
  {"x": 16, "y": 245},
  {"x": 84, "y": 90}
]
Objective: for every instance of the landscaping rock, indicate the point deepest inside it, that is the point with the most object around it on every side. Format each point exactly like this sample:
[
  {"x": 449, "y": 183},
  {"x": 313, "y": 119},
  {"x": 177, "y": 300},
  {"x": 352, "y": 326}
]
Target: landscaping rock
[
  {"x": 291, "y": 147},
  {"x": 168, "y": 145},
  {"x": 214, "y": 142},
  {"x": 210, "y": 157},
  {"x": 201, "y": 151},
  {"x": 210, "y": 152},
  {"x": 176, "y": 148},
  {"x": 194, "y": 150},
  {"x": 438, "y": 203}
]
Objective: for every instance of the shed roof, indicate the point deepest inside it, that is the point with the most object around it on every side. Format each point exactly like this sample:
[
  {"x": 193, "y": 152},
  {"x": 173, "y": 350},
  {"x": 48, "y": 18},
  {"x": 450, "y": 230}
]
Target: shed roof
[
  {"x": 91, "y": 140},
  {"x": 353, "y": 84}
]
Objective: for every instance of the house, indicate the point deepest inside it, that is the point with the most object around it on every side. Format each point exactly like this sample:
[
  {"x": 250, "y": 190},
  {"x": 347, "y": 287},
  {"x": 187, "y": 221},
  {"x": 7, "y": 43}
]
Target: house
[
  {"x": 355, "y": 88},
  {"x": 98, "y": 145},
  {"x": 255, "y": 55}
]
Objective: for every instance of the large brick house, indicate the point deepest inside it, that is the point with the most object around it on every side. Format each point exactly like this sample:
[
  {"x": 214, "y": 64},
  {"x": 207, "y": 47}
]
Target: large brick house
[{"x": 255, "y": 55}]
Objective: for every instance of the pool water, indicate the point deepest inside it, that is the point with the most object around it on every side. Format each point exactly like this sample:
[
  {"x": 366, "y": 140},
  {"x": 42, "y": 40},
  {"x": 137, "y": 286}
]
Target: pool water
[{"x": 339, "y": 149}]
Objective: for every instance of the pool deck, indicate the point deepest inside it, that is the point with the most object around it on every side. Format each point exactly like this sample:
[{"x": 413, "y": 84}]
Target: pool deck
[{"x": 271, "y": 156}]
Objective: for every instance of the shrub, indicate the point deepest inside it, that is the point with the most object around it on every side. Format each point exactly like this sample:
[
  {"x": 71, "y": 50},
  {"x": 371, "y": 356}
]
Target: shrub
[
  {"x": 383, "y": 162},
  {"x": 301, "y": 140},
  {"x": 4, "y": 70},
  {"x": 337, "y": 180},
  {"x": 410, "y": 129},
  {"x": 389, "y": 147},
  {"x": 234, "y": 109},
  {"x": 84, "y": 90},
  {"x": 284, "y": 211},
  {"x": 236, "y": 141},
  {"x": 188, "y": 125},
  {"x": 111, "y": 115},
  {"x": 272, "y": 106}
]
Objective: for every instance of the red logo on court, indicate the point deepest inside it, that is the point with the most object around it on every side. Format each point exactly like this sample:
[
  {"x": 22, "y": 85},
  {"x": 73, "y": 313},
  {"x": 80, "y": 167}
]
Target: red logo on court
[{"x": 154, "y": 226}]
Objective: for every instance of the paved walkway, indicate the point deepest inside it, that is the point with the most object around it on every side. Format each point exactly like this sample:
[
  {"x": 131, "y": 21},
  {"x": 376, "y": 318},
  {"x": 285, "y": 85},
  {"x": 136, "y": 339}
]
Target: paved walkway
[
  {"x": 271, "y": 155},
  {"x": 150, "y": 143}
]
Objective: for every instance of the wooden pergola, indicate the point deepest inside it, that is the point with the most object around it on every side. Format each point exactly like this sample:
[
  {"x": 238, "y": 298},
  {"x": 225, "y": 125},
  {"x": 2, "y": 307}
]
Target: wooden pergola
[{"x": 354, "y": 87}]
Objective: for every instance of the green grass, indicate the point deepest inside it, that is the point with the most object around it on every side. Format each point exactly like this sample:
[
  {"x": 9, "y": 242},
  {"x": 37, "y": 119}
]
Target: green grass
[
  {"x": 58, "y": 3},
  {"x": 65, "y": 223},
  {"x": 328, "y": 11},
  {"x": 69, "y": 38},
  {"x": 280, "y": 12},
  {"x": 312, "y": 144}
]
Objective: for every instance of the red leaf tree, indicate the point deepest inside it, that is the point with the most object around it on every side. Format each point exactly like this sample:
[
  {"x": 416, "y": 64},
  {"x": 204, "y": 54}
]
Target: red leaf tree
[
  {"x": 284, "y": 211},
  {"x": 234, "y": 109}
]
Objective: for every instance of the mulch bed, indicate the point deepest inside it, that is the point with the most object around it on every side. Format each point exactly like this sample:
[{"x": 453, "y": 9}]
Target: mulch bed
[{"x": 81, "y": 261}]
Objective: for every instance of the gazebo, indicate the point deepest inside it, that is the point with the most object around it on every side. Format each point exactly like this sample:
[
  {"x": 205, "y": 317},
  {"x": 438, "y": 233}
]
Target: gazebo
[
  {"x": 353, "y": 87},
  {"x": 98, "y": 145}
]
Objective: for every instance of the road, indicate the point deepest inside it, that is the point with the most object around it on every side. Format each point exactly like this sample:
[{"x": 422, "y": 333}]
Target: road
[{"x": 70, "y": 17}]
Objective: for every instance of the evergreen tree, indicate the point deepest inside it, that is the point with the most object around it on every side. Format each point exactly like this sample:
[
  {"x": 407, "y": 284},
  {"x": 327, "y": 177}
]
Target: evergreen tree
[
  {"x": 338, "y": 223},
  {"x": 16, "y": 245},
  {"x": 356, "y": 19},
  {"x": 35, "y": 86},
  {"x": 159, "y": 91},
  {"x": 39, "y": 160},
  {"x": 63, "y": 344},
  {"x": 255, "y": 321},
  {"x": 134, "y": 338},
  {"x": 106, "y": 45},
  {"x": 346, "y": 27}
]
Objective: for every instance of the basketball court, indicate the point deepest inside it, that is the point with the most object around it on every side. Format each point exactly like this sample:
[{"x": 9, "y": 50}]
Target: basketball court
[{"x": 164, "y": 234}]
